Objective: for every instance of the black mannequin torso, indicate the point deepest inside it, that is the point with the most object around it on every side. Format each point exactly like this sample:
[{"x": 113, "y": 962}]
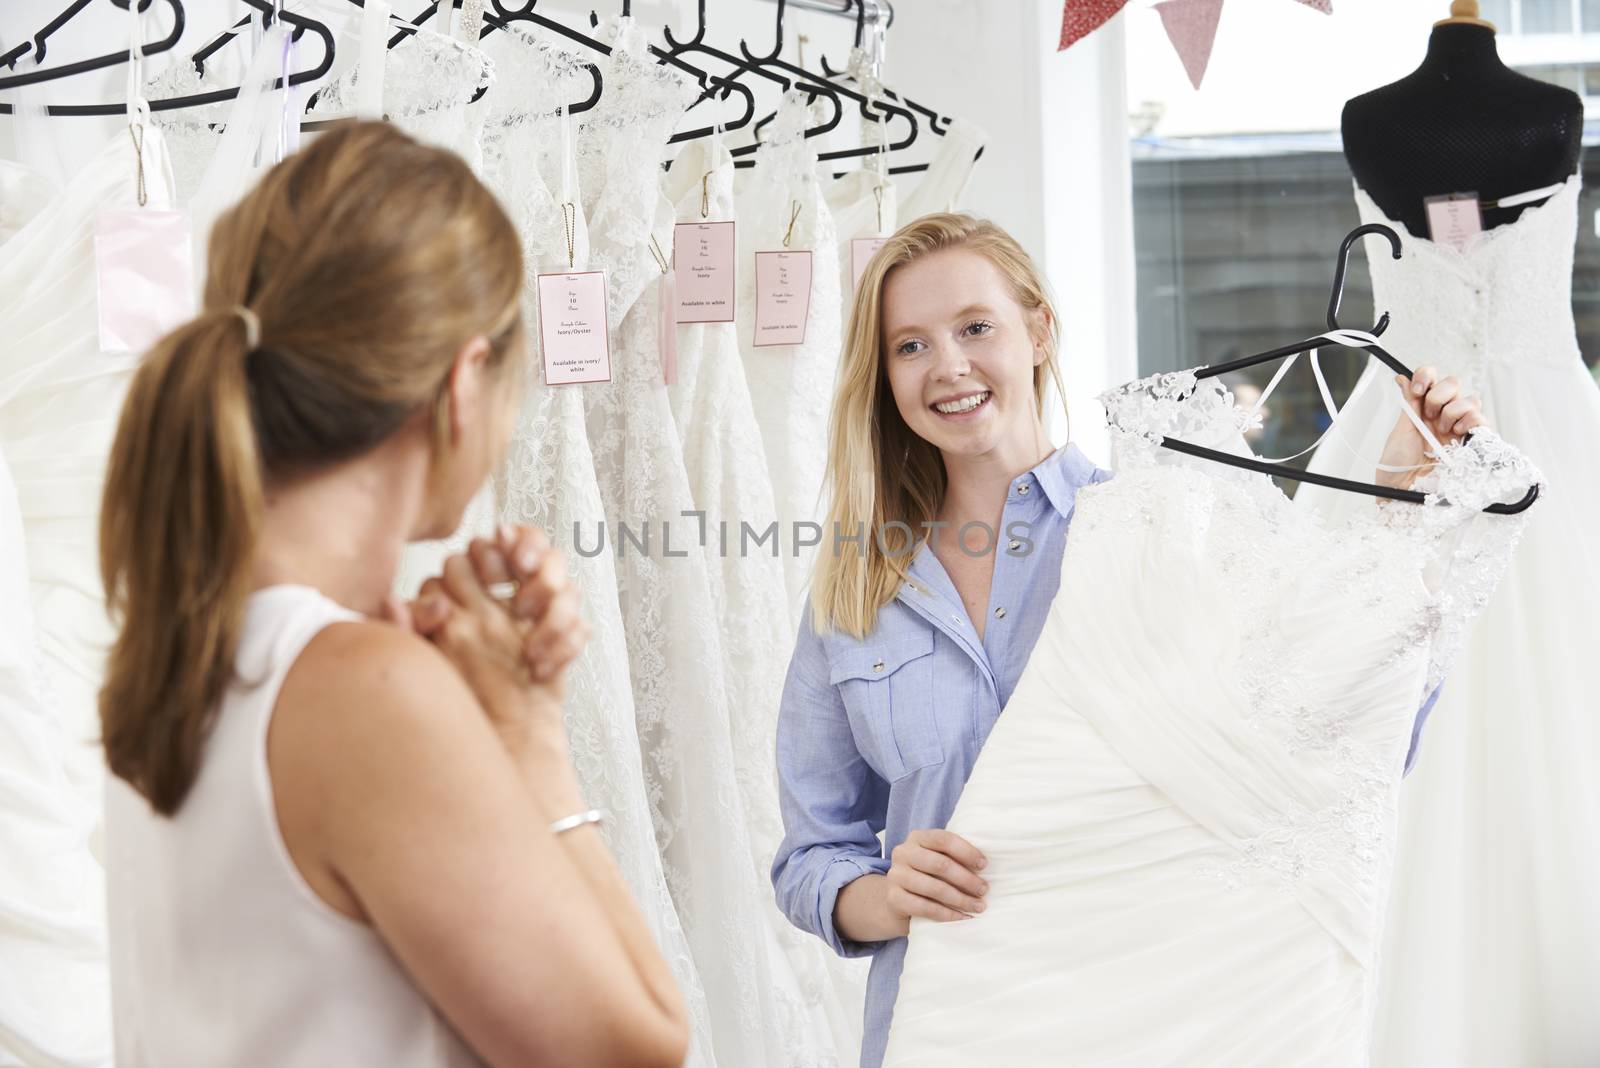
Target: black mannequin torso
[{"x": 1463, "y": 122}]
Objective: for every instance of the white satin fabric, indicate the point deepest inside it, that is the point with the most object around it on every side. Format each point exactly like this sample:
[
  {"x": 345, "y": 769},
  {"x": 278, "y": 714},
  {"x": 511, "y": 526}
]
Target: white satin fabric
[{"x": 1188, "y": 805}]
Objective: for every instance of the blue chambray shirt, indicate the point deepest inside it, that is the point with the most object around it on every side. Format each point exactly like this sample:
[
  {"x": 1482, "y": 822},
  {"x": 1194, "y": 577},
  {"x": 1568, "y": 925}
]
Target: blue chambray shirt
[{"x": 878, "y": 736}]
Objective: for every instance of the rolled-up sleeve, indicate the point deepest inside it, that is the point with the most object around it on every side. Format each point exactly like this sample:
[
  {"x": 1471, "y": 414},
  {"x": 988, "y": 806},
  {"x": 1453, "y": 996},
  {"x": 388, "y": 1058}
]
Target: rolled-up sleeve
[{"x": 833, "y": 803}]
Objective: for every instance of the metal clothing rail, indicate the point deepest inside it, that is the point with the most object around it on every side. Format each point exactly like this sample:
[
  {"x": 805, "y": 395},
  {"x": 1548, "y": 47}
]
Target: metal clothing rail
[{"x": 873, "y": 8}]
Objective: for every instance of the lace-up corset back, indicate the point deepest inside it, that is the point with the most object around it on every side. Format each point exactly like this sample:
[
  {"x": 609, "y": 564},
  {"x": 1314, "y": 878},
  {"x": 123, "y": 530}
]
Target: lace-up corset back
[{"x": 1505, "y": 298}]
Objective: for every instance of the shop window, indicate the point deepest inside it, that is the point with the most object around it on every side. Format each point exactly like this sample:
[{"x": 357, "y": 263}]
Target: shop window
[
  {"x": 1235, "y": 235},
  {"x": 1545, "y": 16}
]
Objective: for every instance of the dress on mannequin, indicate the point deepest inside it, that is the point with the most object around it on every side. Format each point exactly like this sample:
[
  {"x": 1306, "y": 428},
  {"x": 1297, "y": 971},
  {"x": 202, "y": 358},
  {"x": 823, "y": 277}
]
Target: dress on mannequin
[
  {"x": 728, "y": 478},
  {"x": 759, "y": 1015},
  {"x": 791, "y": 385},
  {"x": 1493, "y": 948},
  {"x": 1188, "y": 806},
  {"x": 1492, "y": 953},
  {"x": 548, "y": 481},
  {"x": 60, "y": 398}
]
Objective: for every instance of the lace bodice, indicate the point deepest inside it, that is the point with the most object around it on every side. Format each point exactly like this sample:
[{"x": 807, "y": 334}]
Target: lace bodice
[
  {"x": 622, "y": 139},
  {"x": 1407, "y": 578},
  {"x": 1463, "y": 549},
  {"x": 1506, "y": 298},
  {"x": 429, "y": 82},
  {"x": 191, "y": 133}
]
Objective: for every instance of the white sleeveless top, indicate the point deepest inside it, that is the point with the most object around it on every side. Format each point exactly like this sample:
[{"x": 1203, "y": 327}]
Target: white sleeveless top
[{"x": 221, "y": 953}]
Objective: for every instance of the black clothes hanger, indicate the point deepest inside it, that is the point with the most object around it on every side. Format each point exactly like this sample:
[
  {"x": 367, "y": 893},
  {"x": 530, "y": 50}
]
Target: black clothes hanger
[
  {"x": 220, "y": 41},
  {"x": 697, "y": 44},
  {"x": 491, "y": 23},
  {"x": 1284, "y": 470},
  {"x": 50, "y": 74},
  {"x": 938, "y": 125},
  {"x": 809, "y": 83},
  {"x": 36, "y": 43}
]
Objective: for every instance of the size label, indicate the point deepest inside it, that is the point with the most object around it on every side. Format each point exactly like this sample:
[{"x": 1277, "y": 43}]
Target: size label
[
  {"x": 574, "y": 330},
  {"x": 703, "y": 259},
  {"x": 1455, "y": 219},
  {"x": 783, "y": 297},
  {"x": 861, "y": 250}
]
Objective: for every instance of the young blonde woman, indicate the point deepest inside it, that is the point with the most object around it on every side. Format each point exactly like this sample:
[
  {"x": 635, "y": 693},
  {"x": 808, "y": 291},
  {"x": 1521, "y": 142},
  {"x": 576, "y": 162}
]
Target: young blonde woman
[
  {"x": 948, "y": 518},
  {"x": 341, "y": 830}
]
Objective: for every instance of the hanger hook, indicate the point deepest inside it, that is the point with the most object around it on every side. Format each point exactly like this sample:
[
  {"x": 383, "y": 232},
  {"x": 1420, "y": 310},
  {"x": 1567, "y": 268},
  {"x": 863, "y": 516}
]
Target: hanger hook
[
  {"x": 699, "y": 33},
  {"x": 777, "y": 44},
  {"x": 1344, "y": 265}
]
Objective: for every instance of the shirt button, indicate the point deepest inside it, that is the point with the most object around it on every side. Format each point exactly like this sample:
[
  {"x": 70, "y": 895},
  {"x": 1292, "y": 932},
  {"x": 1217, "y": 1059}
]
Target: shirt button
[
  {"x": 1015, "y": 545},
  {"x": 878, "y": 666},
  {"x": 1023, "y": 489},
  {"x": 999, "y": 613}
]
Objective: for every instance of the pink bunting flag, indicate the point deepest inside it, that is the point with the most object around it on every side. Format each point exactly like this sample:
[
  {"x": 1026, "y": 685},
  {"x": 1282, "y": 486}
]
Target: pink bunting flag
[
  {"x": 1324, "y": 6},
  {"x": 1080, "y": 18},
  {"x": 1192, "y": 27}
]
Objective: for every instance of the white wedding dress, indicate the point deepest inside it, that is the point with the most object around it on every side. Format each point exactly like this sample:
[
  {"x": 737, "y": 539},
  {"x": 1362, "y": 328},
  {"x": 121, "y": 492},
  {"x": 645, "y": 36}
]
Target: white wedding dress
[
  {"x": 548, "y": 481},
  {"x": 729, "y": 481},
  {"x": 864, "y": 204},
  {"x": 60, "y": 399},
  {"x": 1493, "y": 950},
  {"x": 791, "y": 385},
  {"x": 1188, "y": 805},
  {"x": 944, "y": 184},
  {"x": 760, "y": 1015}
]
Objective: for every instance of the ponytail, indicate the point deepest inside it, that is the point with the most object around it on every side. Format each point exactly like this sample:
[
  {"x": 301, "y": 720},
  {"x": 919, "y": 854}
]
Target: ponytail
[{"x": 178, "y": 526}]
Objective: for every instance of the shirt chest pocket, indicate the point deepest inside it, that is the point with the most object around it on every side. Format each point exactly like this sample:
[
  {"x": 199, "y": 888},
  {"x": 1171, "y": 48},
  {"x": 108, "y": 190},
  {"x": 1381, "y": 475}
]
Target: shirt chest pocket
[{"x": 888, "y": 693}]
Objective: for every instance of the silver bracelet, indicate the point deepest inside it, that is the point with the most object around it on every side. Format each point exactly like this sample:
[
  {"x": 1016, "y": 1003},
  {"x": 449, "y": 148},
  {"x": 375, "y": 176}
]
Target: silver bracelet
[{"x": 567, "y": 823}]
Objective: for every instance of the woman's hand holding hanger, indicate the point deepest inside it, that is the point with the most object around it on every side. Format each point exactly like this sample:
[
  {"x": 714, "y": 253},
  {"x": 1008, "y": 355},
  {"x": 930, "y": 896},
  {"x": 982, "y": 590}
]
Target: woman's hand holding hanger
[{"x": 1442, "y": 404}]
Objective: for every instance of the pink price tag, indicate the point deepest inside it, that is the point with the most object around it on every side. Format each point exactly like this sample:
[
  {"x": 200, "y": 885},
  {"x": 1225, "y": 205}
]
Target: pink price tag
[
  {"x": 1455, "y": 219},
  {"x": 574, "y": 331},
  {"x": 783, "y": 297},
  {"x": 144, "y": 276},
  {"x": 861, "y": 250},
  {"x": 702, "y": 256}
]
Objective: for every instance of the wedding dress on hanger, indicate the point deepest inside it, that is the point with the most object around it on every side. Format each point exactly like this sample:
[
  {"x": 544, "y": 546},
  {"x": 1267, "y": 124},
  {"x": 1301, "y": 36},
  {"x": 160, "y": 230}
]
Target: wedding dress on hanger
[
  {"x": 729, "y": 481},
  {"x": 1492, "y": 955},
  {"x": 52, "y": 888},
  {"x": 781, "y": 206},
  {"x": 864, "y": 204},
  {"x": 60, "y": 399},
  {"x": 944, "y": 184},
  {"x": 548, "y": 481},
  {"x": 1188, "y": 807},
  {"x": 759, "y": 1015}
]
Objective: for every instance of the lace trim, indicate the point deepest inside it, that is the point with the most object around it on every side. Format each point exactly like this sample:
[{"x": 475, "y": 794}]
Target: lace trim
[{"x": 1419, "y": 573}]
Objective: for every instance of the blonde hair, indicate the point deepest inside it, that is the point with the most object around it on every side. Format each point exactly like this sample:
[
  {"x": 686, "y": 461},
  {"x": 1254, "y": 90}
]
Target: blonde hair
[
  {"x": 879, "y": 470},
  {"x": 368, "y": 261}
]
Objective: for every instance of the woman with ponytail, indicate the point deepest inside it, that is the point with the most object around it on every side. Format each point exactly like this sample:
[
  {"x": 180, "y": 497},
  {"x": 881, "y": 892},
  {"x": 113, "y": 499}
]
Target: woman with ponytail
[{"x": 340, "y": 830}]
